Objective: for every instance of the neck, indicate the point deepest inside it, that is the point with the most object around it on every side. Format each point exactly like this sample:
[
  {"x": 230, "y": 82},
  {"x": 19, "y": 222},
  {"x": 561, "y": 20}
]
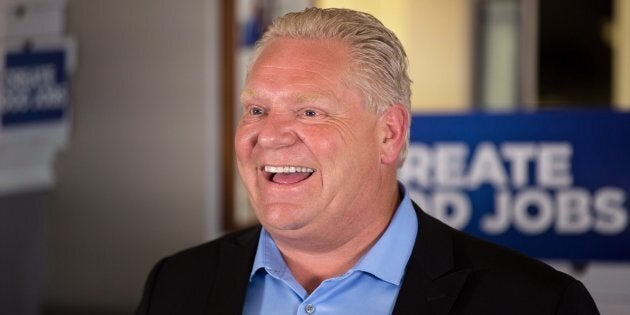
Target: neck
[{"x": 322, "y": 256}]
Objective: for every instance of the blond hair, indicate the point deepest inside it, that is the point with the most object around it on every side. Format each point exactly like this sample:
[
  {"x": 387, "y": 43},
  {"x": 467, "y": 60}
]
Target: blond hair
[{"x": 379, "y": 62}]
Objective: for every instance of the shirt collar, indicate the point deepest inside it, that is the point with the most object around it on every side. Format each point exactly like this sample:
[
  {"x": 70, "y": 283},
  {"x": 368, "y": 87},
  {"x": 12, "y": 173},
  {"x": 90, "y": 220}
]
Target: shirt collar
[
  {"x": 268, "y": 257},
  {"x": 386, "y": 260}
]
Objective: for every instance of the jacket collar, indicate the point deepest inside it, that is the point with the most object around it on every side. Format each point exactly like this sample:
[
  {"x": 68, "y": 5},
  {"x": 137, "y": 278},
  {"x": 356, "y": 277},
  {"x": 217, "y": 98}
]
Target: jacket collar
[
  {"x": 236, "y": 257},
  {"x": 431, "y": 282}
]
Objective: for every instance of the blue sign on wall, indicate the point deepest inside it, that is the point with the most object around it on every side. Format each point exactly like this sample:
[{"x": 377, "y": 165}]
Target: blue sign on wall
[
  {"x": 35, "y": 88},
  {"x": 550, "y": 184}
]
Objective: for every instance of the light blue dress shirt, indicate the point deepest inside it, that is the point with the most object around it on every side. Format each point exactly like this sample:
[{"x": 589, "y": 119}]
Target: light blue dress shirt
[{"x": 370, "y": 287}]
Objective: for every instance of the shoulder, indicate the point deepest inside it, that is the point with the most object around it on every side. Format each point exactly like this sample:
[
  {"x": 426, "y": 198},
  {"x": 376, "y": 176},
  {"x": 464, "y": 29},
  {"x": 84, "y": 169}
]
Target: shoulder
[
  {"x": 500, "y": 278},
  {"x": 510, "y": 278},
  {"x": 464, "y": 251},
  {"x": 208, "y": 254},
  {"x": 492, "y": 261},
  {"x": 183, "y": 283}
]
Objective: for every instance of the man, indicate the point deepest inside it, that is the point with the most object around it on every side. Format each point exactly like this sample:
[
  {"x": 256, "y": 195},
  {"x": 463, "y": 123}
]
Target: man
[{"x": 324, "y": 130}]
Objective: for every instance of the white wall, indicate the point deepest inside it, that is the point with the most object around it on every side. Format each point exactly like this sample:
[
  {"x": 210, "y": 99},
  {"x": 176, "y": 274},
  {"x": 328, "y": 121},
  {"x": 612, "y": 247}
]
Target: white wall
[{"x": 136, "y": 181}]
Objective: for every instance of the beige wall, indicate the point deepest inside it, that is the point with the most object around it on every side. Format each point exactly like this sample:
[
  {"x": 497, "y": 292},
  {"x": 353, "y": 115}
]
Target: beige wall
[
  {"x": 621, "y": 58},
  {"x": 133, "y": 185},
  {"x": 436, "y": 35}
]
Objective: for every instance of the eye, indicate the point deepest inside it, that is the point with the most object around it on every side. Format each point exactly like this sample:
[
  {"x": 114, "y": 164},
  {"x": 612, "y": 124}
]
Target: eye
[
  {"x": 310, "y": 113},
  {"x": 255, "y": 111}
]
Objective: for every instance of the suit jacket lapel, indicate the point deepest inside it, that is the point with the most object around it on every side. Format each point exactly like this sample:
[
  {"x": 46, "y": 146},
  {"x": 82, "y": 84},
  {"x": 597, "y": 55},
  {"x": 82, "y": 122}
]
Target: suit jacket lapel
[
  {"x": 432, "y": 282},
  {"x": 232, "y": 275}
]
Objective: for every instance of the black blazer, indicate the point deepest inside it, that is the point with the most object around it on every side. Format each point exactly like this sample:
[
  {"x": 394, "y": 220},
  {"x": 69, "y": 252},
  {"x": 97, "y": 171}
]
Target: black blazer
[{"x": 449, "y": 272}]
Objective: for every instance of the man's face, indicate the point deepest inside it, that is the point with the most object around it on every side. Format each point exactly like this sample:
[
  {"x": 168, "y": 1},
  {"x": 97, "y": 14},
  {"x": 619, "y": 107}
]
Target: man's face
[{"x": 307, "y": 150}]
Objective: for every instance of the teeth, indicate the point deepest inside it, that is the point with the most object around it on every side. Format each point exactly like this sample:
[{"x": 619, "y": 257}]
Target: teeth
[{"x": 287, "y": 169}]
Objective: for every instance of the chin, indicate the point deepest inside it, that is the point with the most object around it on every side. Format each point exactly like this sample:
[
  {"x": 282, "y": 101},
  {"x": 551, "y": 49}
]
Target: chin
[{"x": 280, "y": 217}]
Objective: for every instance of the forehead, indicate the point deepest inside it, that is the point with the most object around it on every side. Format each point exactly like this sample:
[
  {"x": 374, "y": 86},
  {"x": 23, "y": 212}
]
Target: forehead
[
  {"x": 299, "y": 65},
  {"x": 307, "y": 51}
]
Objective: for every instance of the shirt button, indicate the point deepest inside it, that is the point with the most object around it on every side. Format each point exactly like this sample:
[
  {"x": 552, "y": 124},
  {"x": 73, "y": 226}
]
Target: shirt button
[{"x": 309, "y": 308}]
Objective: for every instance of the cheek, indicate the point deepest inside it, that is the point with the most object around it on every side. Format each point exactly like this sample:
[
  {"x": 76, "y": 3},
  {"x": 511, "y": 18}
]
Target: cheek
[
  {"x": 244, "y": 141},
  {"x": 243, "y": 148},
  {"x": 323, "y": 143},
  {"x": 353, "y": 139},
  {"x": 358, "y": 145}
]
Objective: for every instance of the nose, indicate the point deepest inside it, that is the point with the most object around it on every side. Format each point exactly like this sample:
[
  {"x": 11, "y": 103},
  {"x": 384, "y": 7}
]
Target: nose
[{"x": 277, "y": 131}]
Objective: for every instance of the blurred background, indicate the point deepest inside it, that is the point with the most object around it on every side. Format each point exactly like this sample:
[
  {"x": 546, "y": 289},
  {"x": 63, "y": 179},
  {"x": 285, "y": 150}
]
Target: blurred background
[{"x": 127, "y": 155}]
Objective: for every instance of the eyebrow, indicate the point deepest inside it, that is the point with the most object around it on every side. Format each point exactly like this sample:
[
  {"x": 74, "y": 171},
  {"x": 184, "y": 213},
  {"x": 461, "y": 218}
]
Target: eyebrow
[
  {"x": 298, "y": 97},
  {"x": 303, "y": 98},
  {"x": 248, "y": 93}
]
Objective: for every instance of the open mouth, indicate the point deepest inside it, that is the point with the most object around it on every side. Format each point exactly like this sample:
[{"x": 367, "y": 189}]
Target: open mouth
[{"x": 287, "y": 174}]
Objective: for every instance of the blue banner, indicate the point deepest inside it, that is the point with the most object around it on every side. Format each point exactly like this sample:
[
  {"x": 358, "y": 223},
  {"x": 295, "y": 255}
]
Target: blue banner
[
  {"x": 35, "y": 88},
  {"x": 551, "y": 184}
]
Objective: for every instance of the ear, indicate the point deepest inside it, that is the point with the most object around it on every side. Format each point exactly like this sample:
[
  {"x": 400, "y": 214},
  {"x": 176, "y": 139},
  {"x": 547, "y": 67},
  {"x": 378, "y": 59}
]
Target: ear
[{"x": 394, "y": 123}]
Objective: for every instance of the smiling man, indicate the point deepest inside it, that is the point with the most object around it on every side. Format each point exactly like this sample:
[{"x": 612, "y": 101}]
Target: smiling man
[{"x": 324, "y": 130}]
